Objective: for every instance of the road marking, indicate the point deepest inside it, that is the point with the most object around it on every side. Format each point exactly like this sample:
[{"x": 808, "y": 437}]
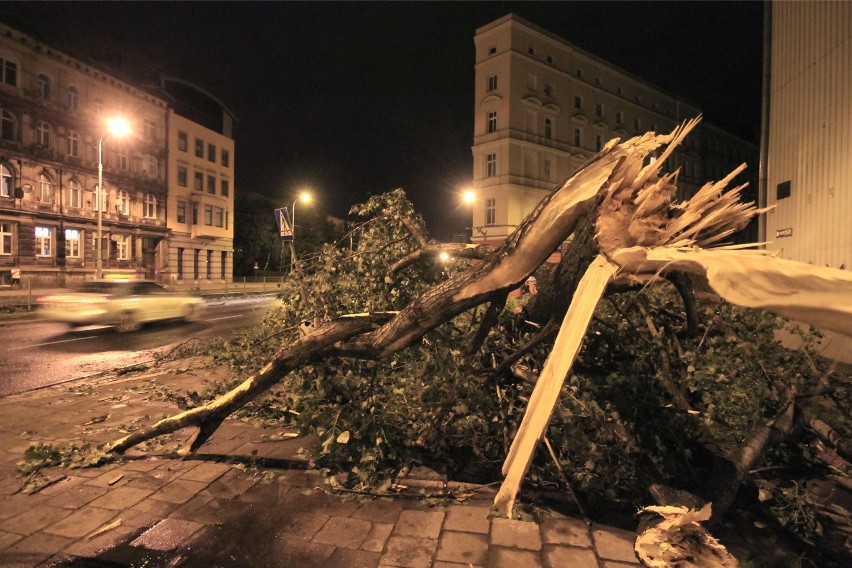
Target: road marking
[{"x": 50, "y": 343}]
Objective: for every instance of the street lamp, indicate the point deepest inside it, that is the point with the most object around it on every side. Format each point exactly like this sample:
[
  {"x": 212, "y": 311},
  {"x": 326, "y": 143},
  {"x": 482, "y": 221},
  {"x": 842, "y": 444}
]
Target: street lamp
[
  {"x": 117, "y": 127},
  {"x": 305, "y": 197}
]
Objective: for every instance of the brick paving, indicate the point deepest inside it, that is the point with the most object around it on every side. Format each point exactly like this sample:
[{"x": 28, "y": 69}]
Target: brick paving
[{"x": 210, "y": 511}]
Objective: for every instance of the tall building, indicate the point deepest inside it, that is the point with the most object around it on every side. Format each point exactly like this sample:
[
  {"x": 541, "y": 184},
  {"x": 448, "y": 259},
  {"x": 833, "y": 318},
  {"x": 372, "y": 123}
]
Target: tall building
[
  {"x": 807, "y": 132},
  {"x": 53, "y": 136},
  {"x": 543, "y": 107}
]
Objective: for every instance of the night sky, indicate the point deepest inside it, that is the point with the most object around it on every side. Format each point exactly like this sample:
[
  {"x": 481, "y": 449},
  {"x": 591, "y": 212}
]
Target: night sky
[{"x": 355, "y": 98}]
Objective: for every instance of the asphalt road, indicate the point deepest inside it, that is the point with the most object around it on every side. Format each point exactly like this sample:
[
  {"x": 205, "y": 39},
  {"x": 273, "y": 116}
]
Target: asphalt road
[{"x": 35, "y": 353}]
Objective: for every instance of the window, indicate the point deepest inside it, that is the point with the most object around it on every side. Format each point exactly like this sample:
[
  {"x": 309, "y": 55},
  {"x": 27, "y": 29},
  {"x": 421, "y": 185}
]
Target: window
[
  {"x": 122, "y": 202},
  {"x": 195, "y": 254},
  {"x": 123, "y": 160},
  {"x": 580, "y": 73},
  {"x": 637, "y": 124},
  {"x": 72, "y": 243},
  {"x": 548, "y": 128},
  {"x": 599, "y": 110},
  {"x": 195, "y": 213},
  {"x": 490, "y": 211},
  {"x": 7, "y": 126},
  {"x": 74, "y": 144},
  {"x": 181, "y": 211},
  {"x": 73, "y": 98},
  {"x": 226, "y": 187},
  {"x": 208, "y": 215},
  {"x": 578, "y": 137},
  {"x": 491, "y": 122},
  {"x": 211, "y": 184},
  {"x": 226, "y": 158},
  {"x": 224, "y": 261},
  {"x": 43, "y": 241},
  {"x": 149, "y": 129},
  {"x": 182, "y": 141},
  {"x": 45, "y": 189},
  {"x": 149, "y": 206},
  {"x": 9, "y": 71},
  {"x": 122, "y": 247},
  {"x": 181, "y": 176},
  {"x": 198, "y": 182},
  {"x": 783, "y": 190},
  {"x": 619, "y": 118},
  {"x": 531, "y": 50},
  {"x": 490, "y": 165},
  {"x": 7, "y": 182},
  {"x": 98, "y": 106},
  {"x": 492, "y": 50},
  {"x": 75, "y": 194},
  {"x": 218, "y": 217},
  {"x": 104, "y": 198},
  {"x": 6, "y": 238},
  {"x": 44, "y": 86},
  {"x": 491, "y": 84},
  {"x": 226, "y": 218},
  {"x": 180, "y": 263},
  {"x": 550, "y": 59},
  {"x": 549, "y": 90},
  {"x": 548, "y": 170},
  {"x": 199, "y": 148},
  {"x": 211, "y": 153},
  {"x": 578, "y": 102},
  {"x": 209, "y": 264},
  {"x": 598, "y": 142},
  {"x": 43, "y": 134}
]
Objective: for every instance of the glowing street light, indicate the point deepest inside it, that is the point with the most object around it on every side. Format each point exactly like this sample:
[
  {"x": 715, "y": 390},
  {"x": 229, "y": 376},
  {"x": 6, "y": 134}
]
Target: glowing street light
[
  {"x": 469, "y": 196},
  {"x": 305, "y": 197},
  {"x": 118, "y": 127}
]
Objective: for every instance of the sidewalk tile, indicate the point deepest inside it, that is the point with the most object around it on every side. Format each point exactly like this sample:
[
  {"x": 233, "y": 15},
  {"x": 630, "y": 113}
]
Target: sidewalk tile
[
  {"x": 17, "y": 504},
  {"x": 232, "y": 484},
  {"x": 211, "y": 511},
  {"x": 121, "y": 498},
  {"x": 207, "y": 471},
  {"x": 300, "y": 525},
  {"x": 463, "y": 547},
  {"x": 615, "y": 544},
  {"x": 343, "y": 532},
  {"x": 573, "y": 532},
  {"x": 499, "y": 557},
  {"x": 379, "y": 510},
  {"x": 423, "y": 524},
  {"x": 515, "y": 534},
  {"x": 302, "y": 553},
  {"x": 7, "y": 539},
  {"x": 408, "y": 552},
  {"x": 94, "y": 546},
  {"x": 377, "y": 537},
  {"x": 348, "y": 558},
  {"x": 154, "y": 507},
  {"x": 61, "y": 487},
  {"x": 468, "y": 519},
  {"x": 555, "y": 556},
  {"x": 167, "y": 535},
  {"x": 179, "y": 491},
  {"x": 107, "y": 477},
  {"x": 34, "y": 519},
  {"x": 81, "y": 522},
  {"x": 34, "y": 549},
  {"x": 142, "y": 465}
]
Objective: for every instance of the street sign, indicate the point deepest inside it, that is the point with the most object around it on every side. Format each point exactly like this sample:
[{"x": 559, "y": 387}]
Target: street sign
[{"x": 285, "y": 228}]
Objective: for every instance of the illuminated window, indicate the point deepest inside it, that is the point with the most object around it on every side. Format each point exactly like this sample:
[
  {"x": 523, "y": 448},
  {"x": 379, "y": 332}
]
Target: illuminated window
[
  {"x": 43, "y": 241},
  {"x": 490, "y": 211},
  {"x": 75, "y": 194},
  {"x": 122, "y": 247},
  {"x": 72, "y": 243},
  {"x": 150, "y": 206},
  {"x": 122, "y": 202}
]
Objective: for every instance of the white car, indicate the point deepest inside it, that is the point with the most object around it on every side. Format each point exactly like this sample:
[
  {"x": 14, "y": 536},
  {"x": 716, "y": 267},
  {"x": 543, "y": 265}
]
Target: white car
[{"x": 125, "y": 304}]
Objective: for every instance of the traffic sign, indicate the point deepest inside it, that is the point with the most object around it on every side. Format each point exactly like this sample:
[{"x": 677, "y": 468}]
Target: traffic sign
[{"x": 285, "y": 228}]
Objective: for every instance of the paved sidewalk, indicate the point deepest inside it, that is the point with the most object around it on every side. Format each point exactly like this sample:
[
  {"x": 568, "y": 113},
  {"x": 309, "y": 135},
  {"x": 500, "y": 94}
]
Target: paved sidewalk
[{"x": 219, "y": 509}]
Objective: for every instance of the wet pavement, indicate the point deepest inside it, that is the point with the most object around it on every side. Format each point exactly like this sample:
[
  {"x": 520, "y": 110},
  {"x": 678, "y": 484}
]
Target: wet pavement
[{"x": 247, "y": 498}]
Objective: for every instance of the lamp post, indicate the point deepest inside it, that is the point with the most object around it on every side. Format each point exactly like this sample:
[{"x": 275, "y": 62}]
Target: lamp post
[
  {"x": 304, "y": 197},
  {"x": 116, "y": 127}
]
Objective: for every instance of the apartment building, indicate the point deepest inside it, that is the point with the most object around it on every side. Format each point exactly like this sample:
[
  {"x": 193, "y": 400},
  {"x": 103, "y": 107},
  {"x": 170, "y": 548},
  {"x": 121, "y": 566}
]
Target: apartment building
[
  {"x": 807, "y": 132},
  {"x": 543, "y": 107},
  {"x": 165, "y": 209},
  {"x": 200, "y": 186}
]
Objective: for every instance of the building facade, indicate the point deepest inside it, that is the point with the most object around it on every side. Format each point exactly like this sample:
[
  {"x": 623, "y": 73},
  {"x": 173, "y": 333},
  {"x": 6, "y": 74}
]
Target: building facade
[
  {"x": 543, "y": 107},
  {"x": 54, "y": 110},
  {"x": 807, "y": 140}
]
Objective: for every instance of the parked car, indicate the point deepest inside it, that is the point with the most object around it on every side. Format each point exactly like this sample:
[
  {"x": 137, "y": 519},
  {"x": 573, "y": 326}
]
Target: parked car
[{"x": 125, "y": 304}]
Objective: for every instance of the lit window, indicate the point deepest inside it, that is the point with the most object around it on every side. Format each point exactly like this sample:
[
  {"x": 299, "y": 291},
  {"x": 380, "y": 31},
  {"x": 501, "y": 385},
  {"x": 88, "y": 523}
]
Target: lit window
[
  {"x": 74, "y": 144},
  {"x": 9, "y": 72},
  {"x": 7, "y": 126},
  {"x": 492, "y": 83},
  {"x": 490, "y": 211},
  {"x": 183, "y": 141},
  {"x": 75, "y": 194},
  {"x": 7, "y": 181},
  {"x": 73, "y": 98},
  {"x": 6, "y": 237},
  {"x": 43, "y": 241},
  {"x": 490, "y": 165},
  {"x": 491, "y": 123},
  {"x": 122, "y": 244},
  {"x": 122, "y": 202},
  {"x": 150, "y": 206},
  {"x": 43, "y": 134},
  {"x": 44, "y": 86},
  {"x": 72, "y": 243}
]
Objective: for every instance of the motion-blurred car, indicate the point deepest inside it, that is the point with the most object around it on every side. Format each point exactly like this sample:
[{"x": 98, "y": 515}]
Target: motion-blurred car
[{"x": 125, "y": 304}]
